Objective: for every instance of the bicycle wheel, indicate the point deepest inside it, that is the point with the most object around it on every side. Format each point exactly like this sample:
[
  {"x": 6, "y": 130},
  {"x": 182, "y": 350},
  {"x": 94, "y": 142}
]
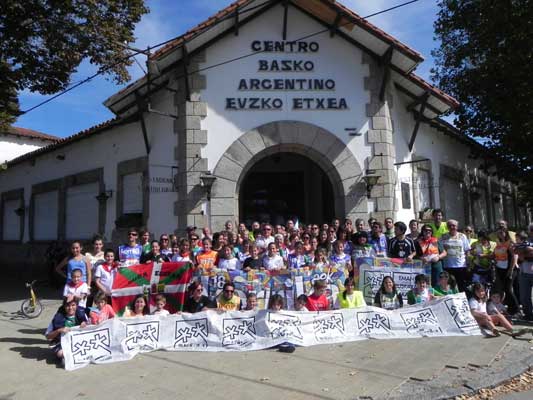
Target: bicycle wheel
[{"x": 30, "y": 311}]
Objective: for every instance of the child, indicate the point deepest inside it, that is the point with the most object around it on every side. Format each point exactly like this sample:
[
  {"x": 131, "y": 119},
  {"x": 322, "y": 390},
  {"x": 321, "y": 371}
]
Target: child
[
  {"x": 495, "y": 305},
  {"x": 105, "y": 273},
  {"x": 251, "y": 301},
  {"x": 318, "y": 301},
  {"x": 77, "y": 289},
  {"x": 275, "y": 304},
  {"x": 301, "y": 302},
  {"x": 160, "y": 303},
  {"x": 227, "y": 260},
  {"x": 478, "y": 307},
  {"x": 76, "y": 261},
  {"x": 421, "y": 293},
  {"x": 68, "y": 315},
  {"x": 102, "y": 311}
]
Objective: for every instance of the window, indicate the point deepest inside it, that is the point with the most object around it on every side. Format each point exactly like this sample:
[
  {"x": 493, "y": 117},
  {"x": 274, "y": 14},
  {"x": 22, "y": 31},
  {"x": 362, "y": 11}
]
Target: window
[
  {"x": 45, "y": 220},
  {"x": 423, "y": 189},
  {"x": 81, "y": 211},
  {"x": 406, "y": 195},
  {"x": 132, "y": 189},
  {"x": 11, "y": 220}
]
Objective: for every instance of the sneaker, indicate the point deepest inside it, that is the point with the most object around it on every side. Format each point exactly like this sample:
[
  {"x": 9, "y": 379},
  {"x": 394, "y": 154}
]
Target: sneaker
[{"x": 286, "y": 348}]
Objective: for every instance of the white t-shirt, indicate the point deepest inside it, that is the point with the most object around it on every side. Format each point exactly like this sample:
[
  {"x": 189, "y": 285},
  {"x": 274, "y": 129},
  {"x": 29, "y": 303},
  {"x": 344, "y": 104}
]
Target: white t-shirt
[
  {"x": 229, "y": 265},
  {"x": 479, "y": 306},
  {"x": 273, "y": 263},
  {"x": 263, "y": 242},
  {"x": 162, "y": 312},
  {"x": 106, "y": 277},
  {"x": 456, "y": 248},
  {"x": 179, "y": 258},
  {"x": 80, "y": 292}
]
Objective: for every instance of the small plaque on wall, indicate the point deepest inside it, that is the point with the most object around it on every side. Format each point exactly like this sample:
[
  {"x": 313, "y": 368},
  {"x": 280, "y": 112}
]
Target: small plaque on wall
[{"x": 406, "y": 195}]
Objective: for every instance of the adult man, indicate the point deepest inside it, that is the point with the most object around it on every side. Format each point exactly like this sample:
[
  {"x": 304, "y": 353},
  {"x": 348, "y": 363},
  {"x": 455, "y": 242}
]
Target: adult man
[
  {"x": 255, "y": 231},
  {"x": 457, "y": 247},
  {"x": 228, "y": 300},
  {"x": 228, "y": 226},
  {"x": 377, "y": 240},
  {"x": 439, "y": 227},
  {"x": 401, "y": 246},
  {"x": 360, "y": 225},
  {"x": 130, "y": 253},
  {"x": 289, "y": 225},
  {"x": 524, "y": 251},
  {"x": 265, "y": 238},
  {"x": 389, "y": 228}
]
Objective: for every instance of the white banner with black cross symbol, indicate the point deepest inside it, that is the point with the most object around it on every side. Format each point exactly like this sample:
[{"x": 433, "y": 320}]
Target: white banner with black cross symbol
[{"x": 120, "y": 339}]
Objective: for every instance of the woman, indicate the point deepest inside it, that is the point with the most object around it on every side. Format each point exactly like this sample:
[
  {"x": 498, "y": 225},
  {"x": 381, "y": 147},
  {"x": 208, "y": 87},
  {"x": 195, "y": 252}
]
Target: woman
[
  {"x": 164, "y": 245},
  {"x": 75, "y": 261},
  {"x": 155, "y": 255},
  {"x": 387, "y": 296},
  {"x": 145, "y": 242},
  {"x": 445, "y": 286},
  {"x": 196, "y": 301},
  {"x": 345, "y": 237},
  {"x": 306, "y": 238},
  {"x": 279, "y": 241},
  {"x": 323, "y": 241},
  {"x": 431, "y": 251},
  {"x": 506, "y": 267},
  {"x": 206, "y": 258},
  {"x": 321, "y": 259},
  {"x": 350, "y": 298},
  {"x": 140, "y": 307}
]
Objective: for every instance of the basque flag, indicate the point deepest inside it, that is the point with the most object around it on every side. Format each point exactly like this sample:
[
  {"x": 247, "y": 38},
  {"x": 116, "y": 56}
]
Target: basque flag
[{"x": 168, "y": 278}]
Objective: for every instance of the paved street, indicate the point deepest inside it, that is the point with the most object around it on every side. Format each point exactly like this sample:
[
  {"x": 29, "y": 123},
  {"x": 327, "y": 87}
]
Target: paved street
[{"x": 418, "y": 368}]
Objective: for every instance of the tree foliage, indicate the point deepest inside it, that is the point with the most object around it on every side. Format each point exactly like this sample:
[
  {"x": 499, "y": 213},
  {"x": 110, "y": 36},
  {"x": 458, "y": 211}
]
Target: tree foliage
[
  {"x": 42, "y": 42},
  {"x": 485, "y": 61}
]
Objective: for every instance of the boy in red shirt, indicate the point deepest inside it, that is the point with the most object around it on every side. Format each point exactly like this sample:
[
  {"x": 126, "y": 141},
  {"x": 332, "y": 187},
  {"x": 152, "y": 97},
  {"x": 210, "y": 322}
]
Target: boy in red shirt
[{"x": 318, "y": 301}]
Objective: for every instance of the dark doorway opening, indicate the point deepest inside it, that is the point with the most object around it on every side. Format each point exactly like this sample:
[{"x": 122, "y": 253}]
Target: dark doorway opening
[{"x": 286, "y": 186}]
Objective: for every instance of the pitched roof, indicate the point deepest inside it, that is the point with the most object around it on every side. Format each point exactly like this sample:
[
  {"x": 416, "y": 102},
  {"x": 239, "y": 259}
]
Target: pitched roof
[
  {"x": 31, "y": 134},
  {"x": 372, "y": 39},
  {"x": 62, "y": 142}
]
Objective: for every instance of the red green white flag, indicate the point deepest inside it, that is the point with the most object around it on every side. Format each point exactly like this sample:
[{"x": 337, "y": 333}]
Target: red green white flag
[{"x": 168, "y": 278}]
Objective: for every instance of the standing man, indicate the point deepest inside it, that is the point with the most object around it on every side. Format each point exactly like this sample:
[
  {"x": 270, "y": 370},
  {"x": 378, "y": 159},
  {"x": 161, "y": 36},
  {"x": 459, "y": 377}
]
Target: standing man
[
  {"x": 389, "y": 228},
  {"x": 401, "y": 246},
  {"x": 457, "y": 247},
  {"x": 130, "y": 253},
  {"x": 265, "y": 238},
  {"x": 438, "y": 226},
  {"x": 377, "y": 240}
]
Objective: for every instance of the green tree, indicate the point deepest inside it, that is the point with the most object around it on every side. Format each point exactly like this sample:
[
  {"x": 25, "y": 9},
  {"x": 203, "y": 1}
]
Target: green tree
[
  {"x": 484, "y": 61},
  {"x": 42, "y": 42}
]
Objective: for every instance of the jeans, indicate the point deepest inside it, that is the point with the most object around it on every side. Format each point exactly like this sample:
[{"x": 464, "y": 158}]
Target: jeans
[{"x": 526, "y": 283}]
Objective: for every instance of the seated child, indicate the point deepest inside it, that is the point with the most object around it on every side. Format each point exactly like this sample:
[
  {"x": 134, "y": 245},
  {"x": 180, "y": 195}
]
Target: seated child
[
  {"x": 318, "y": 301},
  {"x": 387, "y": 296},
  {"x": 251, "y": 301},
  {"x": 275, "y": 304},
  {"x": 421, "y": 293},
  {"x": 68, "y": 315},
  {"x": 300, "y": 304},
  {"x": 105, "y": 272},
  {"x": 495, "y": 305},
  {"x": 77, "y": 288},
  {"x": 349, "y": 298},
  {"x": 102, "y": 311},
  {"x": 478, "y": 308},
  {"x": 160, "y": 303}
]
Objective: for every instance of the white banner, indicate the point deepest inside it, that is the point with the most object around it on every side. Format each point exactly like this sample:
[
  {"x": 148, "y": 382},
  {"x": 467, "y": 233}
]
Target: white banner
[{"x": 120, "y": 339}]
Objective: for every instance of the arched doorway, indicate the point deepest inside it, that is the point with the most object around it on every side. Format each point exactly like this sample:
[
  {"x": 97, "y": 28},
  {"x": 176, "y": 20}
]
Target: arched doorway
[{"x": 285, "y": 186}]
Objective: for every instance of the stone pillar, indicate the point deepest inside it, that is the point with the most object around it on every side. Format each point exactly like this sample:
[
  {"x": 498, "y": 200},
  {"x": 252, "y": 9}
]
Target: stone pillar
[
  {"x": 190, "y": 141},
  {"x": 380, "y": 137}
]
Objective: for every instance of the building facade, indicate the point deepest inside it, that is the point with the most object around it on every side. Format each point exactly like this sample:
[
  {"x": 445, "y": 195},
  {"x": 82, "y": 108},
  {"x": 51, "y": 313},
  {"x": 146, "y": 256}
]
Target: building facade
[{"x": 266, "y": 111}]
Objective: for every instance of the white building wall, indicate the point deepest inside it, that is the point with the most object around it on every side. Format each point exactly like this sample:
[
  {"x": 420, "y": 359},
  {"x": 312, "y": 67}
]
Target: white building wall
[
  {"x": 101, "y": 150},
  {"x": 12, "y": 146},
  {"x": 336, "y": 59}
]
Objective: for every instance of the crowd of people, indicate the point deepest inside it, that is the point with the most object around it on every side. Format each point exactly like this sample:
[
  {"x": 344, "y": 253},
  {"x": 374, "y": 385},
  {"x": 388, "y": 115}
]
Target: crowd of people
[{"x": 496, "y": 268}]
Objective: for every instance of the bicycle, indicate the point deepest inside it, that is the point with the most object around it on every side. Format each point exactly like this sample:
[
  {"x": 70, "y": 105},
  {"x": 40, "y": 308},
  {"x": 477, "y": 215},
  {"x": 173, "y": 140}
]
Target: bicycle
[{"x": 32, "y": 307}]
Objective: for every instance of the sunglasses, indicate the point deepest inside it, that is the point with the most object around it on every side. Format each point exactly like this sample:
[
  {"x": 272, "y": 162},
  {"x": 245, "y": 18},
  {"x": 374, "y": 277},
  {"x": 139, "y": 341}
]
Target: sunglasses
[
  {"x": 132, "y": 234},
  {"x": 164, "y": 239},
  {"x": 229, "y": 291}
]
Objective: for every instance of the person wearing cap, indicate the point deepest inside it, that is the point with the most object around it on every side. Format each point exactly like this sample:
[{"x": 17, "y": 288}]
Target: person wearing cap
[{"x": 361, "y": 247}]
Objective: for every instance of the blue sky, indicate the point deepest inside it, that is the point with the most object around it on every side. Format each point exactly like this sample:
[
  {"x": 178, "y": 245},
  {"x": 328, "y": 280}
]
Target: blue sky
[{"x": 82, "y": 107}]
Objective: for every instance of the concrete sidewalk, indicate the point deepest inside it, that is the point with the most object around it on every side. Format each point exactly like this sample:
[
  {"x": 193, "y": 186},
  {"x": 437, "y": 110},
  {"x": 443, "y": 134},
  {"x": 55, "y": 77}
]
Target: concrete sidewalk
[{"x": 373, "y": 369}]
